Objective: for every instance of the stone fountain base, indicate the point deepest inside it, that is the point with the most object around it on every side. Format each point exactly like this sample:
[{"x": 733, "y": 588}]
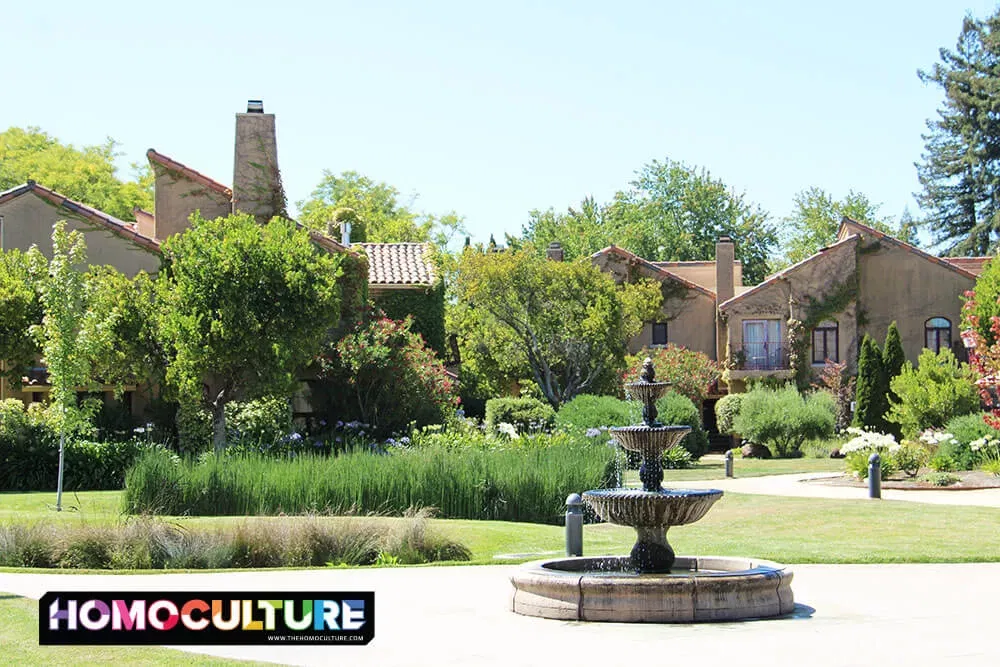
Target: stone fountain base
[{"x": 699, "y": 588}]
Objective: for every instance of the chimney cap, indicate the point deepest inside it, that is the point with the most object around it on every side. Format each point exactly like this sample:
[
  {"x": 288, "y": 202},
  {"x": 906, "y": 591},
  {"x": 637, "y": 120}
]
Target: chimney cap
[
  {"x": 255, "y": 106},
  {"x": 555, "y": 244},
  {"x": 725, "y": 238}
]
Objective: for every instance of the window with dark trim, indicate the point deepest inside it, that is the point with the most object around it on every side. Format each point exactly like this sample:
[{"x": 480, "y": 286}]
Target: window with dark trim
[
  {"x": 826, "y": 339},
  {"x": 937, "y": 334},
  {"x": 659, "y": 333}
]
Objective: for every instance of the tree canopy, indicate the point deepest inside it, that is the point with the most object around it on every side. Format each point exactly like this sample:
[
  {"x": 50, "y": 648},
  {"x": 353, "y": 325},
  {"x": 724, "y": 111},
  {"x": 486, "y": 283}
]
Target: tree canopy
[
  {"x": 86, "y": 174},
  {"x": 564, "y": 324},
  {"x": 245, "y": 306},
  {"x": 960, "y": 167},
  {"x": 20, "y": 309},
  {"x": 375, "y": 211},
  {"x": 814, "y": 222},
  {"x": 670, "y": 212}
]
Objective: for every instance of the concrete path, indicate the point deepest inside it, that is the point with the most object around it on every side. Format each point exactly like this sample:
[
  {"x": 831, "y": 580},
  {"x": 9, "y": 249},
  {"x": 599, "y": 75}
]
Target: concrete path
[
  {"x": 798, "y": 485},
  {"x": 458, "y": 616}
]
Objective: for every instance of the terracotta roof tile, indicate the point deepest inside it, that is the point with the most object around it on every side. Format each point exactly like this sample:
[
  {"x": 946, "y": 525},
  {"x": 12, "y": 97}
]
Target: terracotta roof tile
[
  {"x": 971, "y": 264},
  {"x": 398, "y": 264},
  {"x": 194, "y": 175},
  {"x": 661, "y": 273},
  {"x": 126, "y": 230}
]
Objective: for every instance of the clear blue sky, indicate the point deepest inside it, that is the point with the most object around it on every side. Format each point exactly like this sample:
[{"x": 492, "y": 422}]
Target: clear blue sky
[{"x": 495, "y": 109}]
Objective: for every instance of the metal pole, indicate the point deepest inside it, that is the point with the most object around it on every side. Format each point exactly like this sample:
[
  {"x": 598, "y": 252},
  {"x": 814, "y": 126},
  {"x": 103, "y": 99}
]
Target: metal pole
[
  {"x": 574, "y": 525},
  {"x": 729, "y": 463},
  {"x": 875, "y": 476}
]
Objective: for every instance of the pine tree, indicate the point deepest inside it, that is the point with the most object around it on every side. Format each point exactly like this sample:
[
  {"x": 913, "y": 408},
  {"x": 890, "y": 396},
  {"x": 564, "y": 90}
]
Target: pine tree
[
  {"x": 960, "y": 169},
  {"x": 870, "y": 406}
]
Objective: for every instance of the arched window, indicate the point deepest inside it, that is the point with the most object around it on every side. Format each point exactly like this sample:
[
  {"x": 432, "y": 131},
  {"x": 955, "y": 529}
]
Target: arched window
[
  {"x": 825, "y": 342},
  {"x": 937, "y": 334}
]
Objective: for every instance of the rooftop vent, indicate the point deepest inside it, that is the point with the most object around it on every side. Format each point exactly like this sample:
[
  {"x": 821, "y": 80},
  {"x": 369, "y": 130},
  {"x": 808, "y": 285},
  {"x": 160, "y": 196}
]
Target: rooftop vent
[{"x": 255, "y": 106}]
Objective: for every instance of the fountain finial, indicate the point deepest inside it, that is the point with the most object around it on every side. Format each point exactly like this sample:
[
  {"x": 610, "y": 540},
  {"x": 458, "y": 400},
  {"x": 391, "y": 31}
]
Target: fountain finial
[{"x": 648, "y": 373}]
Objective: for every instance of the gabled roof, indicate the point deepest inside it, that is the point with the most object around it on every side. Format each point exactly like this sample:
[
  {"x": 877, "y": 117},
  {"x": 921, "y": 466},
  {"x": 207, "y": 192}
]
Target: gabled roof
[
  {"x": 398, "y": 264},
  {"x": 882, "y": 236},
  {"x": 194, "y": 175},
  {"x": 126, "y": 230},
  {"x": 659, "y": 272},
  {"x": 781, "y": 275}
]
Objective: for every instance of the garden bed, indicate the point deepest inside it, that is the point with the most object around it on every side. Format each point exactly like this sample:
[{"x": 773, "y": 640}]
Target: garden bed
[{"x": 968, "y": 480}]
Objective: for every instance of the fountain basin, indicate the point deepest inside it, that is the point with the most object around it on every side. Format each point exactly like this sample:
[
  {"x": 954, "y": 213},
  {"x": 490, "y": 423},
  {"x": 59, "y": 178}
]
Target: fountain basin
[
  {"x": 654, "y": 509},
  {"x": 650, "y": 441},
  {"x": 698, "y": 588}
]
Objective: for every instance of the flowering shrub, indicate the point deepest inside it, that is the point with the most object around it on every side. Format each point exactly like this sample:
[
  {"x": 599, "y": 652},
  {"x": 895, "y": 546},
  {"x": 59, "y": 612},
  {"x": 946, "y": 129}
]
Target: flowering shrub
[
  {"x": 987, "y": 451},
  {"x": 263, "y": 421},
  {"x": 981, "y": 333},
  {"x": 525, "y": 415},
  {"x": 690, "y": 373},
  {"x": 382, "y": 374},
  {"x": 865, "y": 443}
]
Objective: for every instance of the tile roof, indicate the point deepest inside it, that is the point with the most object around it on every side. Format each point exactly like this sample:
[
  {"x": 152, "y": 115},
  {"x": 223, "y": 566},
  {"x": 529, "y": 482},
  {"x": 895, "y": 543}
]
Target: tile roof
[
  {"x": 780, "y": 275},
  {"x": 971, "y": 264},
  {"x": 126, "y": 230},
  {"x": 882, "y": 236},
  {"x": 194, "y": 175},
  {"x": 660, "y": 272},
  {"x": 398, "y": 264}
]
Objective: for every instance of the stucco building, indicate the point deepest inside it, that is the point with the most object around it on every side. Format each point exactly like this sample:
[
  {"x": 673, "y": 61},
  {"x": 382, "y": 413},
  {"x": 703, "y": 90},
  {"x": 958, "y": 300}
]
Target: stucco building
[{"x": 789, "y": 325}]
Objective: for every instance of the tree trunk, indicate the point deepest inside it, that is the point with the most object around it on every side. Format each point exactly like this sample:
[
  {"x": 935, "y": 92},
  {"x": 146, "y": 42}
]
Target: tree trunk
[{"x": 219, "y": 426}]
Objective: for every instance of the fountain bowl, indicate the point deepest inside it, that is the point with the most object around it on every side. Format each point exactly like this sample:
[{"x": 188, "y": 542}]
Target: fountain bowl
[
  {"x": 649, "y": 441},
  {"x": 653, "y": 509},
  {"x": 698, "y": 588}
]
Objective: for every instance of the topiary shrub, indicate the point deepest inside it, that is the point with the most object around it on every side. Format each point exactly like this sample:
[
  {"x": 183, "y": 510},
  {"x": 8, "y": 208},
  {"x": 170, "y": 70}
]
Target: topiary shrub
[
  {"x": 965, "y": 429},
  {"x": 677, "y": 410},
  {"x": 938, "y": 389},
  {"x": 726, "y": 409},
  {"x": 783, "y": 419},
  {"x": 526, "y": 414},
  {"x": 587, "y": 411}
]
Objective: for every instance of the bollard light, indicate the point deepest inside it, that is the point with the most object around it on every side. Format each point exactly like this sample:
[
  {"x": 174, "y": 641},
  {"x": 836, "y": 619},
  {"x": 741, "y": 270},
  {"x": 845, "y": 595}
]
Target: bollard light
[
  {"x": 574, "y": 525},
  {"x": 875, "y": 476},
  {"x": 729, "y": 463}
]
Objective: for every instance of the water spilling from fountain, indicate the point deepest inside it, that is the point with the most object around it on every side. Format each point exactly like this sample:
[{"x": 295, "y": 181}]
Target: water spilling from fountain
[{"x": 652, "y": 584}]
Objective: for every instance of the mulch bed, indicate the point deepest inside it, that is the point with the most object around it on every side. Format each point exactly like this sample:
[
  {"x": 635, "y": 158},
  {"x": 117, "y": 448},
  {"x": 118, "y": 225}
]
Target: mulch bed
[{"x": 969, "y": 480}]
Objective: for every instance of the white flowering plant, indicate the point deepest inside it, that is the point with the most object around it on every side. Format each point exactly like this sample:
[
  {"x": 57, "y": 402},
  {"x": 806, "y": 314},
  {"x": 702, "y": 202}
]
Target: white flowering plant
[
  {"x": 865, "y": 443},
  {"x": 987, "y": 452}
]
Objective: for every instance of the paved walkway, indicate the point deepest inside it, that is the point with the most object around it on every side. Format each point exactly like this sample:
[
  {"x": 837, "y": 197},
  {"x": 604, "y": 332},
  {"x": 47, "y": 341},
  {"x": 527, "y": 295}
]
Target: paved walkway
[
  {"x": 459, "y": 616},
  {"x": 798, "y": 485}
]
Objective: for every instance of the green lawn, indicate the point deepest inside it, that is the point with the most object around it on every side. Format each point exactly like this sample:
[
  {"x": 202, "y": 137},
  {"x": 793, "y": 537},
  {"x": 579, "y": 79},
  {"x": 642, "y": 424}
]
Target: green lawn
[
  {"x": 791, "y": 530},
  {"x": 19, "y": 642},
  {"x": 714, "y": 468}
]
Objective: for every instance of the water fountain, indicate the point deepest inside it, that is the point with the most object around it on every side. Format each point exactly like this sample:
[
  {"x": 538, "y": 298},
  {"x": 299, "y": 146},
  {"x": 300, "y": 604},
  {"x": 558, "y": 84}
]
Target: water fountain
[{"x": 652, "y": 584}]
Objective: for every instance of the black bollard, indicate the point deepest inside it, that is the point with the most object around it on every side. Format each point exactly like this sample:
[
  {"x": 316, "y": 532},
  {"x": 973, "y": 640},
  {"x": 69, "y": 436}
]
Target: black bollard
[
  {"x": 875, "y": 476},
  {"x": 729, "y": 463},
  {"x": 574, "y": 525}
]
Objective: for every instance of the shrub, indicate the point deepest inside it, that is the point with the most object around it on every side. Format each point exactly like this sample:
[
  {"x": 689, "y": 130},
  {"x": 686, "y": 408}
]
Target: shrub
[
  {"x": 677, "y": 458},
  {"x": 527, "y": 415},
  {"x": 870, "y": 401},
  {"x": 966, "y": 429},
  {"x": 384, "y": 375},
  {"x": 262, "y": 421},
  {"x": 910, "y": 457},
  {"x": 835, "y": 380},
  {"x": 587, "y": 411},
  {"x": 678, "y": 410},
  {"x": 726, "y": 409},
  {"x": 941, "y": 462},
  {"x": 862, "y": 445},
  {"x": 941, "y": 478},
  {"x": 783, "y": 419},
  {"x": 510, "y": 484},
  {"x": 931, "y": 394},
  {"x": 689, "y": 372}
]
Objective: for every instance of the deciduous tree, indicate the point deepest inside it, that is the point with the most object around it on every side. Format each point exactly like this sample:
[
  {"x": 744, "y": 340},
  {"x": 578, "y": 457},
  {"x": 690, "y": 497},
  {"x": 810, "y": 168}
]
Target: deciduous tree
[
  {"x": 244, "y": 307},
  {"x": 20, "y": 309}
]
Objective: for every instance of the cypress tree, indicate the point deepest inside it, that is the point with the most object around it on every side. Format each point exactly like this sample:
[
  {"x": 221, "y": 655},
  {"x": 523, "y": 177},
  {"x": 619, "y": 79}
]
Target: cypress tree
[
  {"x": 892, "y": 365},
  {"x": 869, "y": 411}
]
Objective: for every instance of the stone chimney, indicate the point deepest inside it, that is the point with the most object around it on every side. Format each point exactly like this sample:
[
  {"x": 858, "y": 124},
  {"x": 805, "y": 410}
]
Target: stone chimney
[
  {"x": 256, "y": 181},
  {"x": 555, "y": 251},
  {"x": 725, "y": 258}
]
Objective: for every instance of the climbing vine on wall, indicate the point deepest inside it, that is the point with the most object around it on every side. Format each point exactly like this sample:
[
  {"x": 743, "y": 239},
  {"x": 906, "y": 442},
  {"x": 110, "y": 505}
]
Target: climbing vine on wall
[
  {"x": 815, "y": 311},
  {"x": 427, "y": 308}
]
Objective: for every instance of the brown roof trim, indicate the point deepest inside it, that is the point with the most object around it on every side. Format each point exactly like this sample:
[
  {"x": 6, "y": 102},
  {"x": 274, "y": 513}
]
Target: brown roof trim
[
  {"x": 194, "y": 175},
  {"x": 324, "y": 241},
  {"x": 118, "y": 227},
  {"x": 781, "y": 275},
  {"x": 882, "y": 236},
  {"x": 660, "y": 272}
]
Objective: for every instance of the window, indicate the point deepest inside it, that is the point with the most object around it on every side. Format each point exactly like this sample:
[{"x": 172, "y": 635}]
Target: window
[
  {"x": 826, "y": 343},
  {"x": 659, "y": 333},
  {"x": 937, "y": 334},
  {"x": 762, "y": 348}
]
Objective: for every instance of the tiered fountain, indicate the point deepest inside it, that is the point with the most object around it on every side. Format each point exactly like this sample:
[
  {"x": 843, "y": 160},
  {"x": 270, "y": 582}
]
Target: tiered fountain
[{"x": 652, "y": 584}]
